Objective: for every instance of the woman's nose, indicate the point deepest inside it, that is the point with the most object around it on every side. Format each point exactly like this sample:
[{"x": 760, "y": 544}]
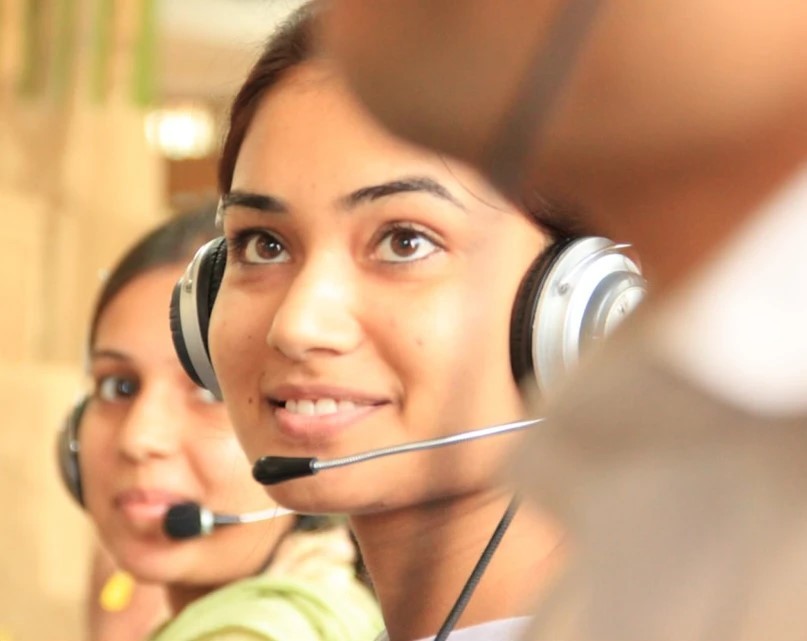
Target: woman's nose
[
  {"x": 317, "y": 313},
  {"x": 152, "y": 425}
]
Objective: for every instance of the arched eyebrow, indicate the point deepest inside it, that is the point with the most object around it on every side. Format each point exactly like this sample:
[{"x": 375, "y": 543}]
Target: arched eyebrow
[
  {"x": 411, "y": 184},
  {"x": 259, "y": 202},
  {"x": 112, "y": 354}
]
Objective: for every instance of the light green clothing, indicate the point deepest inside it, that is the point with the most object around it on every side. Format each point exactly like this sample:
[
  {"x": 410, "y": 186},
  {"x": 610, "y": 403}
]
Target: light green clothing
[
  {"x": 308, "y": 593},
  {"x": 269, "y": 607}
]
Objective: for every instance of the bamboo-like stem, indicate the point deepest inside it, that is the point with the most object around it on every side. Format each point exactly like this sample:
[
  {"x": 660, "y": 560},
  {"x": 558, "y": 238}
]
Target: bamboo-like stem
[
  {"x": 31, "y": 74},
  {"x": 145, "y": 54},
  {"x": 64, "y": 53},
  {"x": 101, "y": 48}
]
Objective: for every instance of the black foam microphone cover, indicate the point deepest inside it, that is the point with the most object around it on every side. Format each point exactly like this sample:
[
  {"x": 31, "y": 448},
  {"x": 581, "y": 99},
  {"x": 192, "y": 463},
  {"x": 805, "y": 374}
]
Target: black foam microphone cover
[
  {"x": 270, "y": 470},
  {"x": 183, "y": 521}
]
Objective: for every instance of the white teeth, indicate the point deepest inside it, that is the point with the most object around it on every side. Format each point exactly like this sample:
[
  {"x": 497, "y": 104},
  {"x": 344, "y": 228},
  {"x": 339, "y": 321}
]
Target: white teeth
[
  {"x": 305, "y": 407},
  {"x": 319, "y": 407},
  {"x": 326, "y": 406}
]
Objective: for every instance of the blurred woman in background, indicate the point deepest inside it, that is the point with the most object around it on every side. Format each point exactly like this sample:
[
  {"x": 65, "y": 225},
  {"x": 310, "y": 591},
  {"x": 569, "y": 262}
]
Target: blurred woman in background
[{"x": 147, "y": 438}]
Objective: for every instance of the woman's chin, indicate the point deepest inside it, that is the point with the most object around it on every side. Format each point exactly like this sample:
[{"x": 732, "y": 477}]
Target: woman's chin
[
  {"x": 149, "y": 565},
  {"x": 146, "y": 572},
  {"x": 315, "y": 496}
]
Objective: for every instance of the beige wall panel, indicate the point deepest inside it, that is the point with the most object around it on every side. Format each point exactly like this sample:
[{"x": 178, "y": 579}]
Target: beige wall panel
[
  {"x": 55, "y": 265},
  {"x": 108, "y": 166},
  {"x": 22, "y": 239},
  {"x": 45, "y": 538}
]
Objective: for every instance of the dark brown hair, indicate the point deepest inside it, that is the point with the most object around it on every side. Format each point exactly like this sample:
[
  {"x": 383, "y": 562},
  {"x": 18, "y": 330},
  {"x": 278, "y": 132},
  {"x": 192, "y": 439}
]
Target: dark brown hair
[{"x": 175, "y": 241}]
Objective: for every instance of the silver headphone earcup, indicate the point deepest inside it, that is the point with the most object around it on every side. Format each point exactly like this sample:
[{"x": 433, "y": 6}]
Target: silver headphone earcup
[
  {"x": 580, "y": 290},
  {"x": 191, "y": 306},
  {"x": 524, "y": 307}
]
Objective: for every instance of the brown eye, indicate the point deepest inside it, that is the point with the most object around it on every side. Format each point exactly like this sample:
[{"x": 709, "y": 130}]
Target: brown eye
[
  {"x": 261, "y": 247},
  {"x": 404, "y": 245}
]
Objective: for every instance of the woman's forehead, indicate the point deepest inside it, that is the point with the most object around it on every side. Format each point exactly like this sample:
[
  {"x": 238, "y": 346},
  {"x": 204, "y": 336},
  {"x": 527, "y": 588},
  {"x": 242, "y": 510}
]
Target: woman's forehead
[{"x": 309, "y": 131}]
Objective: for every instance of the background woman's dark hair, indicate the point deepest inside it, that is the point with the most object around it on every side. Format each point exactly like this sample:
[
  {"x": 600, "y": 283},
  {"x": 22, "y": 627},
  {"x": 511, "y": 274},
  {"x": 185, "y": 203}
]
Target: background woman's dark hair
[
  {"x": 293, "y": 44},
  {"x": 175, "y": 241}
]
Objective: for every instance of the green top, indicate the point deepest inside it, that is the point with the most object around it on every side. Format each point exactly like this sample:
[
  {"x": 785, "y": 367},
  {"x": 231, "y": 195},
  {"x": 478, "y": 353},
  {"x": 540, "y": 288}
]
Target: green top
[{"x": 307, "y": 595}]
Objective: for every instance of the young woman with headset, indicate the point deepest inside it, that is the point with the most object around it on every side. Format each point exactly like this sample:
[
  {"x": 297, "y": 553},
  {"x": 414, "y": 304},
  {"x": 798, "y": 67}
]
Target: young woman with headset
[
  {"x": 150, "y": 456},
  {"x": 368, "y": 294}
]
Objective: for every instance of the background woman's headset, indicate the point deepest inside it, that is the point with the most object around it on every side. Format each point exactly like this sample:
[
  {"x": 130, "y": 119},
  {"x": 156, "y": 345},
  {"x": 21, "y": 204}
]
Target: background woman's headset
[
  {"x": 573, "y": 296},
  {"x": 67, "y": 451}
]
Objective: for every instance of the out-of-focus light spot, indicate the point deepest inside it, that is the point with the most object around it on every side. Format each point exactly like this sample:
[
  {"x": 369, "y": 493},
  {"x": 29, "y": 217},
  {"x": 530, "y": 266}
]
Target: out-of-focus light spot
[{"x": 181, "y": 132}]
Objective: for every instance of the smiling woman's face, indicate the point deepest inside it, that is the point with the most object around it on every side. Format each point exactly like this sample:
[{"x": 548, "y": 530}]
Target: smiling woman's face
[
  {"x": 150, "y": 438},
  {"x": 366, "y": 302}
]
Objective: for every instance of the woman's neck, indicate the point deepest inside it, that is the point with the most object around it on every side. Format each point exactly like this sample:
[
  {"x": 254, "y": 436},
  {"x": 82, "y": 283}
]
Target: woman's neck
[
  {"x": 180, "y": 595},
  {"x": 420, "y": 558},
  {"x": 267, "y": 541}
]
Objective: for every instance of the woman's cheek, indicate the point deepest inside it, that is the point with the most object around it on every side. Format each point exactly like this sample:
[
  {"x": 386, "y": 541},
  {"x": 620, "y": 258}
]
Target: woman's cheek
[
  {"x": 228, "y": 339},
  {"x": 216, "y": 336},
  {"x": 439, "y": 336}
]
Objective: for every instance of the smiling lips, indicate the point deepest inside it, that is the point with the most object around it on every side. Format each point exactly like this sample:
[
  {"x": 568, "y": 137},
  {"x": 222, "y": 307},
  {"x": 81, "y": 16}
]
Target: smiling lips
[
  {"x": 146, "y": 505},
  {"x": 318, "y": 407},
  {"x": 308, "y": 415}
]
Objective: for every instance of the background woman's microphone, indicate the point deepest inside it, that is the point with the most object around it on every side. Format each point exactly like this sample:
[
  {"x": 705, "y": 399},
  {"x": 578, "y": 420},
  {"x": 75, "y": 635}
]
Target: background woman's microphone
[
  {"x": 189, "y": 520},
  {"x": 270, "y": 470}
]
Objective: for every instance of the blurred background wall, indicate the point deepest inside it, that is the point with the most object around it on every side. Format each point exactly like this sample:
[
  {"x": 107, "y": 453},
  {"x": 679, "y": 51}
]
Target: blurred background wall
[{"x": 111, "y": 113}]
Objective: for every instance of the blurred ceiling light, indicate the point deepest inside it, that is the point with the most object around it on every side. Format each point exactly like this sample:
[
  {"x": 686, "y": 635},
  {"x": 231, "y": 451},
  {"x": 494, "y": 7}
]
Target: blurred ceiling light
[{"x": 182, "y": 131}]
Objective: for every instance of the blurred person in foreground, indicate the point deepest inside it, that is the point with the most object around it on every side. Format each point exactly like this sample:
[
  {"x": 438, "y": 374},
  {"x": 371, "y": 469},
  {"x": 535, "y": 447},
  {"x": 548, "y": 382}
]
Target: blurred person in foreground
[
  {"x": 674, "y": 455},
  {"x": 669, "y": 123}
]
